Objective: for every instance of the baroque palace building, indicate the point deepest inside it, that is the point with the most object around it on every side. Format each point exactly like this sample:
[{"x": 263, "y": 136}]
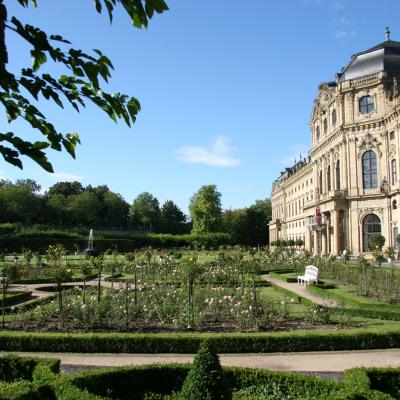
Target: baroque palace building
[{"x": 347, "y": 189}]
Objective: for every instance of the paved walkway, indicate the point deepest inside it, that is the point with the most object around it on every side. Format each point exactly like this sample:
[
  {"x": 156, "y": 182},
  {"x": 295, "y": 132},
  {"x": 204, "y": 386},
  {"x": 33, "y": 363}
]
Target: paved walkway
[
  {"x": 333, "y": 361},
  {"x": 36, "y": 292},
  {"x": 300, "y": 290}
]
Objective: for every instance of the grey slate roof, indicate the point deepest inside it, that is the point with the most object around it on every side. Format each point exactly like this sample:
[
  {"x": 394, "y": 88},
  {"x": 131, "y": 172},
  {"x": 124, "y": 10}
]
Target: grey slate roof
[{"x": 383, "y": 57}]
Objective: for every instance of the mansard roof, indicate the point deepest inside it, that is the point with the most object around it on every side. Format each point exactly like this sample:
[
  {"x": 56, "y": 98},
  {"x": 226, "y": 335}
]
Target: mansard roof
[{"x": 382, "y": 57}]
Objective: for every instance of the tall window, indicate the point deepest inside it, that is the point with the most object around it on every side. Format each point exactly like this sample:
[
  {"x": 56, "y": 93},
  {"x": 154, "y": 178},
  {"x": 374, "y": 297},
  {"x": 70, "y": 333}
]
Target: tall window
[
  {"x": 371, "y": 226},
  {"x": 318, "y": 133},
  {"x": 337, "y": 170},
  {"x": 369, "y": 170},
  {"x": 394, "y": 172},
  {"x": 366, "y": 105},
  {"x": 320, "y": 182},
  {"x": 334, "y": 118},
  {"x": 325, "y": 126},
  {"x": 328, "y": 178}
]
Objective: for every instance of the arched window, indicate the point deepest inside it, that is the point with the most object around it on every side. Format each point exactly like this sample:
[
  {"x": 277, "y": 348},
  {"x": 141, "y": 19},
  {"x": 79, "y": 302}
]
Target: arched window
[
  {"x": 394, "y": 172},
  {"x": 366, "y": 105},
  {"x": 334, "y": 118},
  {"x": 371, "y": 226},
  {"x": 337, "y": 173},
  {"x": 369, "y": 170},
  {"x": 320, "y": 183},
  {"x": 394, "y": 204},
  {"x": 328, "y": 179},
  {"x": 325, "y": 126},
  {"x": 318, "y": 133}
]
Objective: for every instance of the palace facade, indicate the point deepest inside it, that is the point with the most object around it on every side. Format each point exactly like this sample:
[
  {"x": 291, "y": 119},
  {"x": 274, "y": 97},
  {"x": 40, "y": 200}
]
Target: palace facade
[{"x": 347, "y": 189}]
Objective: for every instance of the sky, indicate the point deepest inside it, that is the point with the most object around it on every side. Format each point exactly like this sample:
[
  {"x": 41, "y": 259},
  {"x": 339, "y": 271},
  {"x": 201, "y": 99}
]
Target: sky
[{"x": 226, "y": 88}]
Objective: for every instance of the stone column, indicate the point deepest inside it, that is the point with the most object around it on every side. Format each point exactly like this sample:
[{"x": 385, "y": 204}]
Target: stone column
[
  {"x": 335, "y": 224},
  {"x": 308, "y": 241},
  {"x": 328, "y": 240},
  {"x": 323, "y": 243},
  {"x": 316, "y": 249}
]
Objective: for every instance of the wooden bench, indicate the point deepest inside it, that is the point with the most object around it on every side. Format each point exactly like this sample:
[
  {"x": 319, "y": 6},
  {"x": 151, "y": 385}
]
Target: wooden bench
[{"x": 310, "y": 275}]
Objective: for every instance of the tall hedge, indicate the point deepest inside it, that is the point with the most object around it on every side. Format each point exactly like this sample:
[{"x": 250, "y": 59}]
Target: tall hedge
[{"x": 130, "y": 243}]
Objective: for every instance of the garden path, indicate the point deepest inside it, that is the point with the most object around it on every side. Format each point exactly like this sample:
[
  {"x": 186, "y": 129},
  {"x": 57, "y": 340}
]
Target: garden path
[
  {"x": 332, "y": 361},
  {"x": 300, "y": 290},
  {"x": 36, "y": 292}
]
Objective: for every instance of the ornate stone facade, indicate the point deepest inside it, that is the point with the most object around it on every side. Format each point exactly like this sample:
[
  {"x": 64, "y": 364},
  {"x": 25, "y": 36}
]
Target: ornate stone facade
[{"x": 348, "y": 186}]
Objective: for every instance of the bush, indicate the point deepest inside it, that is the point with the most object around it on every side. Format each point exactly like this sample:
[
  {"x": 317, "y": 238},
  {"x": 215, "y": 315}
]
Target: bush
[
  {"x": 127, "y": 244},
  {"x": 205, "y": 380},
  {"x": 24, "y": 390},
  {"x": 189, "y": 342},
  {"x": 132, "y": 382}
]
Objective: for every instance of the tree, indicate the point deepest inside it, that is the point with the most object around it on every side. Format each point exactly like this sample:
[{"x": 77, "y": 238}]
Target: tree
[
  {"x": 173, "y": 220},
  {"x": 258, "y": 217},
  {"x": 116, "y": 210},
  {"x": 66, "y": 189},
  {"x": 19, "y": 203},
  {"x": 84, "y": 209},
  {"x": 57, "y": 212},
  {"x": 249, "y": 226},
  {"x": 205, "y": 210},
  {"x": 145, "y": 211},
  {"x": 234, "y": 222},
  {"x": 80, "y": 84}
]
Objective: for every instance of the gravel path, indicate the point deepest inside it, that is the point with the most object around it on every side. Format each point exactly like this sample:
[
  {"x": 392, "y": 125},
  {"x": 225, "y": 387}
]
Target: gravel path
[
  {"x": 300, "y": 290},
  {"x": 311, "y": 362}
]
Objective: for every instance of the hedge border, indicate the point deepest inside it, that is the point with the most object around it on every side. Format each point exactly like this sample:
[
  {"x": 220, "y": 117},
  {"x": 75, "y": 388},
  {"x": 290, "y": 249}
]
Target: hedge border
[{"x": 188, "y": 343}]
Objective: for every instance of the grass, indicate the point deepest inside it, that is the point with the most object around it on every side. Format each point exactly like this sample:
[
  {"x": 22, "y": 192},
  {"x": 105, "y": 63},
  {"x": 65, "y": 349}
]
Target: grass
[{"x": 347, "y": 295}]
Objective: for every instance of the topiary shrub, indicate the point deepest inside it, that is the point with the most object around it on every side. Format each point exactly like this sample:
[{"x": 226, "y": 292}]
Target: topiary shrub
[{"x": 206, "y": 380}]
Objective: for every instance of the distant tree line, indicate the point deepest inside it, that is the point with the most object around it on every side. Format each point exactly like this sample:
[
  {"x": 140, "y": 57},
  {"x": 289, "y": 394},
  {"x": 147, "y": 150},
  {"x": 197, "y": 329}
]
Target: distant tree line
[{"x": 72, "y": 205}]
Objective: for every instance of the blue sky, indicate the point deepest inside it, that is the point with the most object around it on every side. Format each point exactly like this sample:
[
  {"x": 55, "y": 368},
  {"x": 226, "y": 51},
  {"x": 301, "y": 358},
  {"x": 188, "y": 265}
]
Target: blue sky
[{"x": 226, "y": 88}]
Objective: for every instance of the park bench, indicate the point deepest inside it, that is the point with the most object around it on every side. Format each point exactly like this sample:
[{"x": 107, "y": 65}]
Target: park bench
[{"x": 310, "y": 275}]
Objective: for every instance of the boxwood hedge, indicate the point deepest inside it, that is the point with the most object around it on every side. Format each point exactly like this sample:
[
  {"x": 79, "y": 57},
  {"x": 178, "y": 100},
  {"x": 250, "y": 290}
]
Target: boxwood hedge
[
  {"x": 23, "y": 378},
  {"x": 189, "y": 342}
]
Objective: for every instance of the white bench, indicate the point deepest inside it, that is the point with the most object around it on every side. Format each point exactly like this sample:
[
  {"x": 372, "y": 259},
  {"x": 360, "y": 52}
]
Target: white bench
[{"x": 310, "y": 275}]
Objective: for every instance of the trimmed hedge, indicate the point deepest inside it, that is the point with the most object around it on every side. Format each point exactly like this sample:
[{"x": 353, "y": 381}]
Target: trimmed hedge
[
  {"x": 165, "y": 379},
  {"x": 15, "y": 297},
  {"x": 28, "y": 378},
  {"x": 189, "y": 343},
  {"x": 41, "y": 380},
  {"x": 132, "y": 382},
  {"x": 130, "y": 243},
  {"x": 23, "y": 390},
  {"x": 27, "y": 281}
]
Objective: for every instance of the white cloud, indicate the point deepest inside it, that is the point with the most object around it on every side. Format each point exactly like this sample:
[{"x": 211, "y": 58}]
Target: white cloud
[
  {"x": 294, "y": 154},
  {"x": 3, "y": 176},
  {"x": 65, "y": 176},
  {"x": 343, "y": 21},
  {"x": 344, "y": 34},
  {"x": 219, "y": 154},
  {"x": 338, "y": 6}
]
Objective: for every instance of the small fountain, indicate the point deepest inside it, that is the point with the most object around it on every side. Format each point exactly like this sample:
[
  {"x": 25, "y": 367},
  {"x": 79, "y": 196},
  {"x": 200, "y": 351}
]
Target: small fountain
[{"x": 90, "y": 251}]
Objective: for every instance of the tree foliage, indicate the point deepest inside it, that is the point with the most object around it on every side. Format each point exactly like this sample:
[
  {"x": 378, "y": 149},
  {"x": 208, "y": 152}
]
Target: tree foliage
[
  {"x": 81, "y": 83},
  {"x": 206, "y": 379},
  {"x": 145, "y": 211},
  {"x": 248, "y": 226},
  {"x": 173, "y": 220},
  {"x": 205, "y": 210},
  {"x": 65, "y": 204}
]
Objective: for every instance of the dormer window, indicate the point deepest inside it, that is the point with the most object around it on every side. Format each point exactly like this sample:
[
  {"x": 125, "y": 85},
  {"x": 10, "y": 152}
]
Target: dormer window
[
  {"x": 325, "y": 126},
  {"x": 334, "y": 118},
  {"x": 366, "y": 105}
]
